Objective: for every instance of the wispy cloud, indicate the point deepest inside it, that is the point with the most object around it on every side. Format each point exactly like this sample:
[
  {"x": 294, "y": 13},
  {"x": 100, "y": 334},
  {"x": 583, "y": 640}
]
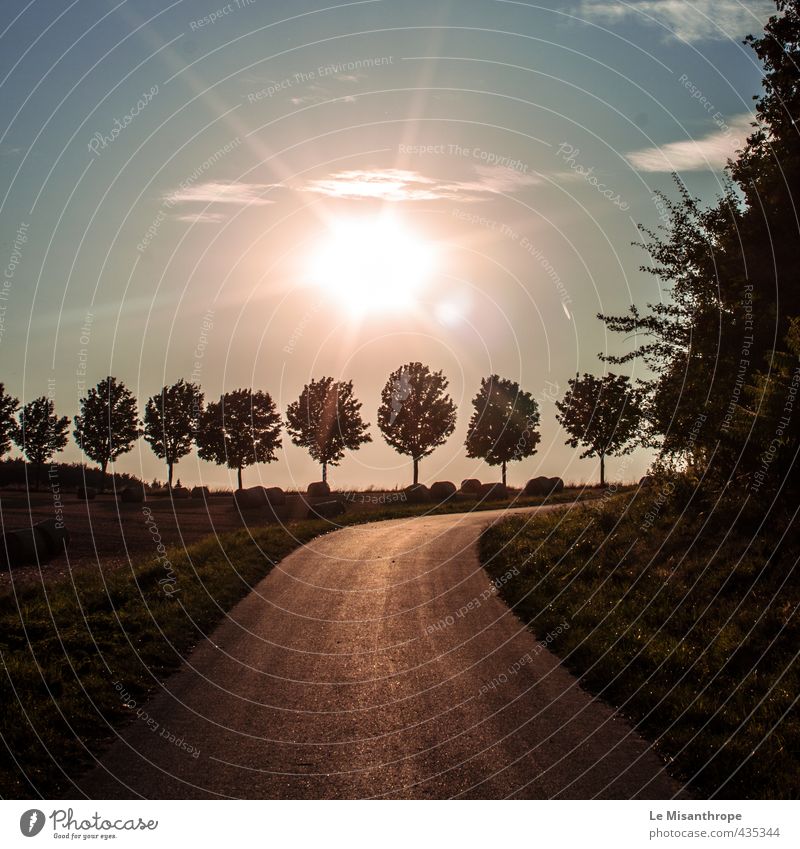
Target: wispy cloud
[
  {"x": 203, "y": 217},
  {"x": 394, "y": 184},
  {"x": 690, "y": 20},
  {"x": 241, "y": 194},
  {"x": 710, "y": 151}
]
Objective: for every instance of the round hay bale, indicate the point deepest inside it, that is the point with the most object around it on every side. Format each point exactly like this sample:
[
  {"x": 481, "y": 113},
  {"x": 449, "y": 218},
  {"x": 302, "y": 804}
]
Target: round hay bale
[
  {"x": 538, "y": 486},
  {"x": 442, "y": 490},
  {"x": 199, "y": 492},
  {"x": 417, "y": 493},
  {"x": 179, "y": 492},
  {"x": 56, "y": 535},
  {"x": 132, "y": 494},
  {"x": 275, "y": 496},
  {"x": 318, "y": 489},
  {"x": 24, "y": 547},
  {"x": 86, "y": 493},
  {"x": 326, "y": 510},
  {"x": 251, "y": 498},
  {"x": 471, "y": 486},
  {"x": 556, "y": 484},
  {"x": 492, "y": 491}
]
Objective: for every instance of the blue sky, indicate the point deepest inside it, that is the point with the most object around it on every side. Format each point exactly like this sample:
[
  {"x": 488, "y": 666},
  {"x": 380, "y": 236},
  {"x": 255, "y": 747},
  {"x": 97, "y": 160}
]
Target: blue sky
[{"x": 172, "y": 175}]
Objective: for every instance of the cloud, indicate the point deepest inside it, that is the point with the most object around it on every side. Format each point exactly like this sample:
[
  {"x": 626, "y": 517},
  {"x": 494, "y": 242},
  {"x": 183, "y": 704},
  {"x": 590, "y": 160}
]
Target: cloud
[
  {"x": 690, "y": 20},
  {"x": 394, "y": 184},
  {"x": 711, "y": 151},
  {"x": 241, "y": 194},
  {"x": 203, "y": 217}
]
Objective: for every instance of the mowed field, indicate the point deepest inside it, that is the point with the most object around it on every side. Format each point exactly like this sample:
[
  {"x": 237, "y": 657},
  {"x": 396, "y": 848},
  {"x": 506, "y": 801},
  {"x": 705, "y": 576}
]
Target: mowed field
[{"x": 113, "y": 533}]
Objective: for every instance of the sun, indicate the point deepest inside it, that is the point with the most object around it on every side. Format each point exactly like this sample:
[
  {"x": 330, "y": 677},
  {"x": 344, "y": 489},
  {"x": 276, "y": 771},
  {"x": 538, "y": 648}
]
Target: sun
[{"x": 372, "y": 264}]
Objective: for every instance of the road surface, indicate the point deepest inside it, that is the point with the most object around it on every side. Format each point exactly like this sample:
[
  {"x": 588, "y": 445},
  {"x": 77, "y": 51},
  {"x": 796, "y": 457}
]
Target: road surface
[{"x": 377, "y": 662}]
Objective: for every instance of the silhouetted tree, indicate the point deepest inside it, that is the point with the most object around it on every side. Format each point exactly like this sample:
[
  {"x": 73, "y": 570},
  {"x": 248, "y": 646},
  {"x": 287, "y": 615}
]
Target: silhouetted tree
[
  {"x": 41, "y": 433},
  {"x": 729, "y": 290},
  {"x": 601, "y": 413},
  {"x": 8, "y": 424},
  {"x": 108, "y": 424},
  {"x": 503, "y": 427},
  {"x": 326, "y": 420},
  {"x": 416, "y": 415},
  {"x": 171, "y": 421},
  {"x": 241, "y": 429}
]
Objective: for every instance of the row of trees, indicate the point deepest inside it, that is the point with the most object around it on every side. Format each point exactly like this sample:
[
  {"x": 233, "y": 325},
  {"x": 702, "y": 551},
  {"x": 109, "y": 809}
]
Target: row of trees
[{"x": 415, "y": 416}]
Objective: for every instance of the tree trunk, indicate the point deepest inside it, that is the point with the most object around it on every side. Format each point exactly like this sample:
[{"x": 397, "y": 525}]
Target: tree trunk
[
  {"x": 504, "y": 472},
  {"x": 103, "y": 467},
  {"x": 169, "y": 475},
  {"x": 602, "y": 470},
  {"x": 38, "y": 475},
  {"x": 416, "y": 470},
  {"x": 240, "y": 477},
  {"x": 324, "y": 472}
]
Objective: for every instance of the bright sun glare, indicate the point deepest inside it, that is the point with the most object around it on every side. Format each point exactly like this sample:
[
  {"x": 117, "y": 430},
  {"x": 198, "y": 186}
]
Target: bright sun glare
[{"x": 373, "y": 264}]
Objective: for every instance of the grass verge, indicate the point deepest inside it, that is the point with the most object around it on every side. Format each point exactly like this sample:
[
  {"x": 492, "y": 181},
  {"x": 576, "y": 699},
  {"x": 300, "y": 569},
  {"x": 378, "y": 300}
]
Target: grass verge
[
  {"x": 686, "y": 619},
  {"x": 64, "y": 646}
]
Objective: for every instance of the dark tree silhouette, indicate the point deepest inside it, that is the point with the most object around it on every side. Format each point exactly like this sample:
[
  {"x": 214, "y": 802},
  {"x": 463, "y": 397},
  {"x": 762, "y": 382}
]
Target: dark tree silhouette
[
  {"x": 171, "y": 420},
  {"x": 416, "y": 415},
  {"x": 41, "y": 433},
  {"x": 8, "y": 424},
  {"x": 503, "y": 427},
  {"x": 601, "y": 413},
  {"x": 108, "y": 424},
  {"x": 241, "y": 429},
  {"x": 326, "y": 420},
  {"x": 729, "y": 289}
]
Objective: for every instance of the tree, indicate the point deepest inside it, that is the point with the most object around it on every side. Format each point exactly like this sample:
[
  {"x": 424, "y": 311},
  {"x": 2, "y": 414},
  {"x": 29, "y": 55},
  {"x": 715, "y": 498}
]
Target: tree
[
  {"x": 171, "y": 421},
  {"x": 41, "y": 433},
  {"x": 415, "y": 415},
  {"x": 240, "y": 429},
  {"x": 108, "y": 424},
  {"x": 8, "y": 424},
  {"x": 503, "y": 427},
  {"x": 729, "y": 274},
  {"x": 326, "y": 420},
  {"x": 601, "y": 413}
]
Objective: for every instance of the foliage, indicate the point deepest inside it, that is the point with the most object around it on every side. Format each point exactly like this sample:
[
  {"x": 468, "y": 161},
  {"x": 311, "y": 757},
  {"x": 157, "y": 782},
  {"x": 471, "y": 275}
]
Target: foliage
[
  {"x": 171, "y": 420},
  {"x": 108, "y": 424},
  {"x": 326, "y": 420},
  {"x": 681, "y": 614},
  {"x": 8, "y": 424},
  {"x": 241, "y": 429},
  {"x": 503, "y": 427},
  {"x": 729, "y": 272},
  {"x": 602, "y": 414},
  {"x": 416, "y": 415},
  {"x": 41, "y": 433}
]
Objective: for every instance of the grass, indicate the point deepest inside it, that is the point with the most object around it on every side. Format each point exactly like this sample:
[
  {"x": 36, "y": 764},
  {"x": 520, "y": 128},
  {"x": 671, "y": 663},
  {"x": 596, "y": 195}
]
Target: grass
[
  {"x": 687, "y": 620},
  {"x": 65, "y": 644}
]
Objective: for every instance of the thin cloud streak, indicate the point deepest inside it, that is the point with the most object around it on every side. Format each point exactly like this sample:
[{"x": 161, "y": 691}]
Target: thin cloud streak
[
  {"x": 711, "y": 151},
  {"x": 240, "y": 194},
  {"x": 398, "y": 185}
]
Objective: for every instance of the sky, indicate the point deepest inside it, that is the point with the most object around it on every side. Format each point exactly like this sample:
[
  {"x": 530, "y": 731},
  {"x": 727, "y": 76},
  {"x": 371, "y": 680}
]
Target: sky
[{"x": 260, "y": 193}]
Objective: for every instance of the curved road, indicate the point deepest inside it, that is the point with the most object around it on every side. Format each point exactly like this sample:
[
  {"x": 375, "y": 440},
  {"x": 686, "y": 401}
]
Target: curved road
[{"x": 348, "y": 672}]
